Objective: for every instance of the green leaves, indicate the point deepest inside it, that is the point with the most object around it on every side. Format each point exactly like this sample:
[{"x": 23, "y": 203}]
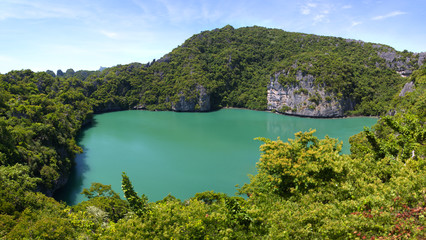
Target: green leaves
[
  {"x": 15, "y": 183},
  {"x": 99, "y": 190},
  {"x": 301, "y": 164},
  {"x": 137, "y": 204},
  {"x": 304, "y": 188},
  {"x": 401, "y": 138}
]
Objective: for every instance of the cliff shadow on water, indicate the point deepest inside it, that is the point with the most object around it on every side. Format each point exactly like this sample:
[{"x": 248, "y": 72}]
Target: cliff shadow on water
[{"x": 74, "y": 186}]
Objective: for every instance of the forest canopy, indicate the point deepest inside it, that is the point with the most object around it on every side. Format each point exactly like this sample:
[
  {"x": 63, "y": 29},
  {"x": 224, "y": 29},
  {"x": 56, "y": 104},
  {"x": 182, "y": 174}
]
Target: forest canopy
[{"x": 304, "y": 189}]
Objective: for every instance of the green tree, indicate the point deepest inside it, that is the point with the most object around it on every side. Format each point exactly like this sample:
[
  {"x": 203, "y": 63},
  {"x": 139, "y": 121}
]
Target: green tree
[
  {"x": 137, "y": 204},
  {"x": 299, "y": 165}
]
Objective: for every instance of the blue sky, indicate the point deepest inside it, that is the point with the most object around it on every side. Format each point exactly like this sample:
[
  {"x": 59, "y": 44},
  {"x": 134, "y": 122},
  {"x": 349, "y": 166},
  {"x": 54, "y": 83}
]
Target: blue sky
[{"x": 86, "y": 34}]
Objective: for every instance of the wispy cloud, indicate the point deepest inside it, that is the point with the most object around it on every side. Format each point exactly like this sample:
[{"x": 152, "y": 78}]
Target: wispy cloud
[
  {"x": 389, "y": 15},
  {"x": 319, "y": 18},
  {"x": 322, "y": 17},
  {"x": 209, "y": 13},
  {"x": 318, "y": 11},
  {"x": 355, "y": 23},
  {"x": 109, "y": 34},
  {"x": 306, "y": 9},
  {"x": 178, "y": 12},
  {"x": 24, "y": 9},
  {"x": 347, "y": 7}
]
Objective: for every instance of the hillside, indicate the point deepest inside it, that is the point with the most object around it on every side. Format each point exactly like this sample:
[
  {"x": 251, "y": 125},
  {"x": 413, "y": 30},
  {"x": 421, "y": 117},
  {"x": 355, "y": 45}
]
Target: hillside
[
  {"x": 263, "y": 69},
  {"x": 304, "y": 188}
]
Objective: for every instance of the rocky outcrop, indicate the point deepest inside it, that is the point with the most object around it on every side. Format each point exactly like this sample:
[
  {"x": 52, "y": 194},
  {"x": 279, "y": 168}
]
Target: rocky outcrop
[
  {"x": 404, "y": 73},
  {"x": 201, "y": 101},
  {"x": 422, "y": 57},
  {"x": 408, "y": 87},
  {"x": 304, "y": 98},
  {"x": 404, "y": 66}
]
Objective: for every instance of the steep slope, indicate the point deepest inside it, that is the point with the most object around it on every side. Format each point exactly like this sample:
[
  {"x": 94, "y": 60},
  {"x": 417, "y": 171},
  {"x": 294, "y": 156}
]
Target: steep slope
[
  {"x": 304, "y": 188},
  {"x": 265, "y": 69},
  {"x": 253, "y": 67}
]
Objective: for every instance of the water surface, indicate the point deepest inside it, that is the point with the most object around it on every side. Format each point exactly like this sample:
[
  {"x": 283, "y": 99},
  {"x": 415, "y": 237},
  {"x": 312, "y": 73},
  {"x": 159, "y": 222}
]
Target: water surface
[{"x": 185, "y": 153}]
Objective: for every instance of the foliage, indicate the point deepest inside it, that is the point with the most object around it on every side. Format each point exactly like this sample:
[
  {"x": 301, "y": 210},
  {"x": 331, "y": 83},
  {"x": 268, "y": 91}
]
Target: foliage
[
  {"x": 235, "y": 67},
  {"x": 300, "y": 165},
  {"x": 99, "y": 190},
  {"x": 304, "y": 188},
  {"x": 137, "y": 204},
  {"x": 15, "y": 183},
  {"x": 39, "y": 120},
  {"x": 102, "y": 197}
]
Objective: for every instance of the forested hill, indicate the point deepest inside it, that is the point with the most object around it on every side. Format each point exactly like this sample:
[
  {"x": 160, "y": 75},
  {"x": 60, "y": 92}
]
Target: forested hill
[
  {"x": 261, "y": 68},
  {"x": 253, "y": 67},
  {"x": 303, "y": 189}
]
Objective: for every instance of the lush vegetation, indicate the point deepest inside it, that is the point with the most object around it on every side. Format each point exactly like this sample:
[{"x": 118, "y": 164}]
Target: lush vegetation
[
  {"x": 39, "y": 119},
  {"x": 304, "y": 188},
  {"x": 235, "y": 67}
]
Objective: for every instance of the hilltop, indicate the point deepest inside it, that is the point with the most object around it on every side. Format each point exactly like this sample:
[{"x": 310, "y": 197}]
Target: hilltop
[
  {"x": 304, "y": 188},
  {"x": 263, "y": 69}
]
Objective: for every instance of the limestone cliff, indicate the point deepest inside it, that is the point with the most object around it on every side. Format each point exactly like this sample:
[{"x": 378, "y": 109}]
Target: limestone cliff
[
  {"x": 408, "y": 87},
  {"x": 304, "y": 98},
  {"x": 201, "y": 101},
  {"x": 403, "y": 65}
]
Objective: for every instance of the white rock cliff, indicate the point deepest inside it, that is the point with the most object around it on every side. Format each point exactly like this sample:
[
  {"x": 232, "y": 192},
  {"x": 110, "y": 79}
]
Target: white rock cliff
[{"x": 304, "y": 98}]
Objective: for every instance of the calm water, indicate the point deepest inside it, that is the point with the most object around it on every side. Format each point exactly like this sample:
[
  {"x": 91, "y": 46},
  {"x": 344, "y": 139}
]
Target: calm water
[{"x": 186, "y": 153}]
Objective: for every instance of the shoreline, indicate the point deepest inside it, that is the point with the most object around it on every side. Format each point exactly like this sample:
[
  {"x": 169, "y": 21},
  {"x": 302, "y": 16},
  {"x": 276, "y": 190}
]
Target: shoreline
[{"x": 239, "y": 108}]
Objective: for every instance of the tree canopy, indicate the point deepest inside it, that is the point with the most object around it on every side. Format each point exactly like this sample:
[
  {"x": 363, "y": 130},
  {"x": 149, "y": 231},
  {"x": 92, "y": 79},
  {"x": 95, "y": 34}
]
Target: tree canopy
[{"x": 304, "y": 188}]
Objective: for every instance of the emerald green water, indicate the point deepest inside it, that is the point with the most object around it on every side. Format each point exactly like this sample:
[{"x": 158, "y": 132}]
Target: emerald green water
[{"x": 185, "y": 153}]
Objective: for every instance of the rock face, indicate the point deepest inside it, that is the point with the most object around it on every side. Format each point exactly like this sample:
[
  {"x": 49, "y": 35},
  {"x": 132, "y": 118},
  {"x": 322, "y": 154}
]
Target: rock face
[
  {"x": 200, "y": 103},
  {"x": 402, "y": 65},
  {"x": 422, "y": 57},
  {"x": 304, "y": 98},
  {"x": 408, "y": 87}
]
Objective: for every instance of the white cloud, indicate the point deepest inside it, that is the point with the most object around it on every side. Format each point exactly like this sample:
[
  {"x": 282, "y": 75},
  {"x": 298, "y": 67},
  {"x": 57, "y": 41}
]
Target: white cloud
[
  {"x": 178, "y": 12},
  {"x": 306, "y": 9},
  {"x": 355, "y": 23},
  {"x": 109, "y": 34},
  {"x": 24, "y": 9},
  {"x": 142, "y": 5},
  {"x": 320, "y": 18},
  {"x": 392, "y": 14},
  {"x": 210, "y": 14},
  {"x": 347, "y": 7},
  {"x": 319, "y": 12}
]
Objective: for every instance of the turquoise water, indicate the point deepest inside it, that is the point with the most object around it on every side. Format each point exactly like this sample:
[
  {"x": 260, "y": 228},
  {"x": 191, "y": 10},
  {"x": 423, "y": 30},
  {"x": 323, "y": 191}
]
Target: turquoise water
[{"x": 185, "y": 153}]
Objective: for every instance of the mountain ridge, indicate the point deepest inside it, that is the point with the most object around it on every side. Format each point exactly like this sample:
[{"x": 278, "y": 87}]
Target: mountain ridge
[
  {"x": 304, "y": 188},
  {"x": 236, "y": 66}
]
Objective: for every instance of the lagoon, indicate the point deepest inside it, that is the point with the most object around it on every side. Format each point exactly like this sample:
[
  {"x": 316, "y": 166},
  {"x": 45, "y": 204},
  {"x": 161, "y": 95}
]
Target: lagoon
[{"x": 184, "y": 153}]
